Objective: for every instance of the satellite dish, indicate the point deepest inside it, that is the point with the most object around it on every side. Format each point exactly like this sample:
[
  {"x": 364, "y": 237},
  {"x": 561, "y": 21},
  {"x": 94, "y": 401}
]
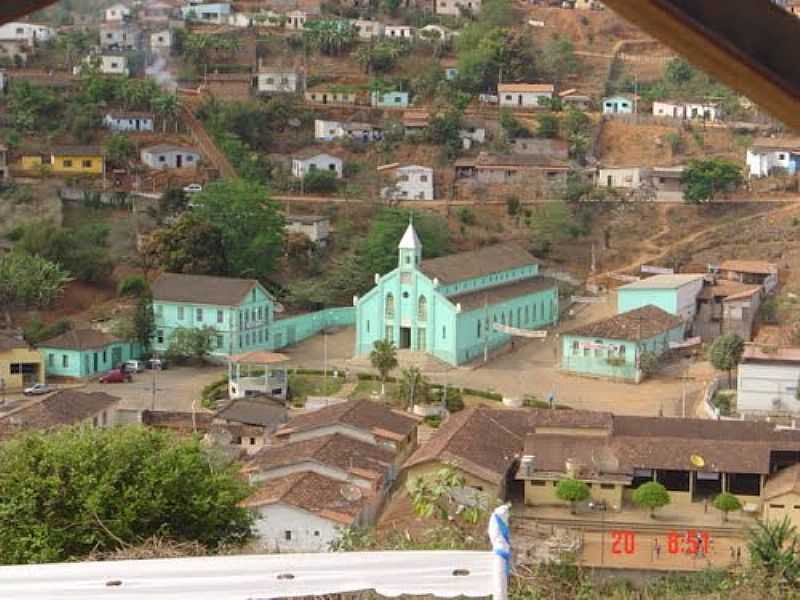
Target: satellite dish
[
  {"x": 351, "y": 493},
  {"x": 698, "y": 461}
]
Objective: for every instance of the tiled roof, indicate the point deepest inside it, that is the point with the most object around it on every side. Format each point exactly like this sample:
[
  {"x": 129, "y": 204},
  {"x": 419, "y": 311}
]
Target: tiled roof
[
  {"x": 784, "y": 481},
  {"x": 361, "y": 414},
  {"x": 756, "y": 267},
  {"x": 201, "y": 289},
  {"x": 312, "y": 152},
  {"x": 263, "y": 412},
  {"x": 663, "y": 282},
  {"x": 525, "y": 87},
  {"x": 477, "y": 263},
  {"x": 495, "y": 295},
  {"x": 11, "y": 342},
  {"x": 78, "y": 151},
  {"x": 786, "y": 144},
  {"x": 755, "y": 353},
  {"x": 635, "y": 325},
  {"x": 313, "y": 493},
  {"x": 182, "y": 422},
  {"x": 168, "y": 148},
  {"x": 492, "y": 161},
  {"x": 80, "y": 339},
  {"x": 129, "y": 114},
  {"x": 67, "y": 407},
  {"x": 335, "y": 450}
]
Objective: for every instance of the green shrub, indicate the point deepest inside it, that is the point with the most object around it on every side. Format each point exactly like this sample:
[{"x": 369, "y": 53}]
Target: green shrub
[
  {"x": 483, "y": 394},
  {"x": 214, "y": 392},
  {"x": 433, "y": 421},
  {"x": 466, "y": 216},
  {"x": 322, "y": 182},
  {"x": 36, "y": 330},
  {"x": 132, "y": 285}
]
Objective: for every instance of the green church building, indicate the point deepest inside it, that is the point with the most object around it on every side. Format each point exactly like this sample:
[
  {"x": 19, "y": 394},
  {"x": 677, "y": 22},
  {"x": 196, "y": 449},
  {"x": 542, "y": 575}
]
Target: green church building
[{"x": 458, "y": 307}]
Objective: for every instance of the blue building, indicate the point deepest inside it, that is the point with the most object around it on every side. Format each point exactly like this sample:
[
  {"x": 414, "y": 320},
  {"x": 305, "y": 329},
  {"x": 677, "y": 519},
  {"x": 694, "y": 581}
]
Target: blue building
[
  {"x": 389, "y": 99},
  {"x": 83, "y": 353},
  {"x": 457, "y": 307},
  {"x": 617, "y": 105},
  {"x": 677, "y": 294},
  {"x": 210, "y": 12}
]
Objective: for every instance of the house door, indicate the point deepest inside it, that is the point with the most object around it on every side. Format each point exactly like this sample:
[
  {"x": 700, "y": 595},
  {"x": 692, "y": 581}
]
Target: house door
[
  {"x": 610, "y": 182},
  {"x": 519, "y": 99},
  {"x": 138, "y": 125},
  {"x": 116, "y": 356},
  {"x": 179, "y": 160},
  {"x": 422, "y": 339},
  {"x": 94, "y": 363},
  {"x": 405, "y": 337},
  {"x": 324, "y": 98}
]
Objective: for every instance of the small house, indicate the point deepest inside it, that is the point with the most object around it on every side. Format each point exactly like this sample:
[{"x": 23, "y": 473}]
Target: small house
[
  {"x": 327, "y": 131},
  {"x": 724, "y": 307},
  {"x": 675, "y": 294},
  {"x": 389, "y": 99},
  {"x": 322, "y": 94},
  {"x": 249, "y": 421},
  {"x": 65, "y": 408},
  {"x": 471, "y": 133},
  {"x": 667, "y": 179},
  {"x": 28, "y": 33},
  {"x": 768, "y": 381},
  {"x": 85, "y": 353},
  {"x": 754, "y": 272},
  {"x": 20, "y": 365},
  {"x": 116, "y": 36},
  {"x": 575, "y": 100},
  {"x": 315, "y": 227},
  {"x": 621, "y": 177},
  {"x": 117, "y": 13},
  {"x": 415, "y": 120},
  {"x": 114, "y": 64},
  {"x": 168, "y": 156},
  {"x": 366, "y": 29},
  {"x": 687, "y": 111},
  {"x": 296, "y": 19},
  {"x": 622, "y": 105},
  {"x": 411, "y": 182},
  {"x": 77, "y": 160},
  {"x": 129, "y": 121},
  {"x": 211, "y": 12},
  {"x": 509, "y": 169},
  {"x": 525, "y": 95},
  {"x": 161, "y": 40},
  {"x": 311, "y": 160},
  {"x": 230, "y": 86},
  {"x": 768, "y": 156},
  {"x": 455, "y": 8},
  {"x": 277, "y": 82},
  {"x": 612, "y": 348},
  {"x": 361, "y": 132},
  {"x": 399, "y": 32}
]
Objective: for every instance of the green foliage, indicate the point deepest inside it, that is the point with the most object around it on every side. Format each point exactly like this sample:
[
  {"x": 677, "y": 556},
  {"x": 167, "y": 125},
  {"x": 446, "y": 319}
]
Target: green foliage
[
  {"x": 192, "y": 245},
  {"x": 513, "y": 128},
  {"x": 214, "y": 392},
  {"x": 548, "y": 126},
  {"x": 331, "y": 37},
  {"x": 675, "y": 141},
  {"x": 513, "y": 206},
  {"x": 726, "y": 503},
  {"x": 132, "y": 285},
  {"x": 144, "y": 320},
  {"x": 190, "y": 344},
  {"x": 444, "y": 130},
  {"x": 120, "y": 149},
  {"x": 466, "y": 216},
  {"x": 75, "y": 491},
  {"x": 28, "y": 281},
  {"x": 678, "y": 71},
  {"x": 651, "y": 495},
  {"x": 553, "y": 223},
  {"x": 172, "y": 201},
  {"x": 36, "y": 330},
  {"x": 414, "y": 387},
  {"x": 320, "y": 182},
  {"x": 381, "y": 56},
  {"x": 435, "y": 497},
  {"x": 648, "y": 363},
  {"x": 251, "y": 225},
  {"x": 726, "y": 352},
  {"x": 704, "y": 179},
  {"x": 32, "y": 108},
  {"x": 558, "y": 60},
  {"x": 572, "y": 491},
  {"x": 383, "y": 358},
  {"x": 773, "y": 546},
  {"x": 484, "y": 50}
]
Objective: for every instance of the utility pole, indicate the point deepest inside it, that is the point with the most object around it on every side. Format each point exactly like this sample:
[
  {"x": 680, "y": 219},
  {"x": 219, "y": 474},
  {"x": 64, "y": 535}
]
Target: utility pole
[{"x": 486, "y": 333}]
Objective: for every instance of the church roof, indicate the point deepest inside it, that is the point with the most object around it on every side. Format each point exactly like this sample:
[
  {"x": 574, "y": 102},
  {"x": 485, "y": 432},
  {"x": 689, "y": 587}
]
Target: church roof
[
  {"x": 410, "y": 240},
  {"x": 477, "y": 263}
]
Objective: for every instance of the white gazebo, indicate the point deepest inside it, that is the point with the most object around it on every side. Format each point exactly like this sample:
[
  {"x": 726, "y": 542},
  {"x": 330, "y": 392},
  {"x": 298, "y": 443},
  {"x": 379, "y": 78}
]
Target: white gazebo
[{"x": 257, "y": 372}]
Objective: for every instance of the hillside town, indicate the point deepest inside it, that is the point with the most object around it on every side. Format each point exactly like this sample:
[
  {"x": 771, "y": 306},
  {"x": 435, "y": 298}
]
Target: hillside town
[{"x": 379, "y": 268}]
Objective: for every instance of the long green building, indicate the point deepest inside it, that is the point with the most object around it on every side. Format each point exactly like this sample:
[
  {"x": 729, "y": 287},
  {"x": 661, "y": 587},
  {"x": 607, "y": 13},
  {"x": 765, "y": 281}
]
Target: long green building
[{"x": 457, "y": 307}]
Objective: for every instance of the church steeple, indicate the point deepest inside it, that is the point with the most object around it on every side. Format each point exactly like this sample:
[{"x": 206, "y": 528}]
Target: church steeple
[{"x": 410, "y": 248}]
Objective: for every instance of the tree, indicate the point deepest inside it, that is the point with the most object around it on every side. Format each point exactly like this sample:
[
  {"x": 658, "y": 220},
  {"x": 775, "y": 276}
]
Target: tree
[
  {"x": 320, "y": 182},
  {"x": 572, "y": 491},
  {"x": 72, "y": 492},
  {"x": 329, "y": 36},
  {"x": 651, "y": 495},
  {"x": 167, "y": 107},
  {"x": 726, "y": 352},
  {"x": 28, "y": 281},
  {"x": 191, "y": 245},
  {"x": 251, "y": 224},
  {"x": 773, "y": 546},
  {"x": 414, "y": 388},
  {"x": 678, "y": 71},
  {"x": 190, "y": 344},
  {"x": 120, "y": 149},
  {"x": 548, "y": 126},
  {"x": 725, "y": 503},
  {"x": 383, "y": 358},
  {"x": 648, "y": 363},
  {"x": 558, "y": 59},
  {"x": 704, "y": 179},
  {"x": 442, "y": 497},
  {"x": 144, "y": 320}
]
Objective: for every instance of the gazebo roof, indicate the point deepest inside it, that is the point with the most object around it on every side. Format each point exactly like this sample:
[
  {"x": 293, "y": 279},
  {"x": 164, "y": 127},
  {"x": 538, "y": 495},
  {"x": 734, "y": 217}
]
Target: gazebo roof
[{"x": 258, "y": 357}]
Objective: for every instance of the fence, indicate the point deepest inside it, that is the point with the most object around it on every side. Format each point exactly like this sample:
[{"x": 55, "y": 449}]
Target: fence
[{"x": 291, "y": 330}]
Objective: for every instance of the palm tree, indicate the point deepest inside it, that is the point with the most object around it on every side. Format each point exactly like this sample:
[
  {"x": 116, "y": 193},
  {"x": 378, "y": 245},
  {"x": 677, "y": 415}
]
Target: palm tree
[
  {"x": 383, "y": 358},
  {"x": 774, "y": 546},
  {"x": 330, "y": 37},
  {"x": 414, "y": 387},
  {"x": 166, "y": 107}
]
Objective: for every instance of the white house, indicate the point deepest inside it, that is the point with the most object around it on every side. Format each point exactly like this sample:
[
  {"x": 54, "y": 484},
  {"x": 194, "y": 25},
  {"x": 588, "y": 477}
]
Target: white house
[
  {"x": 412, "y": 182},
  {"x": 617, "y": 105},
  {"x": 687, "y": 111},
  {"x": 129, "y": 121},
  {"x": 471, "y": 133},
  {"x": 114, "y": 64},
  {"x": 327, "y": 131},
  {"x": 768, "y": 381},
  {"x": 305, "y": 162},
  {"x": 527, "y": 95},
  {"x": 161, "y": 40},
  {"x": 274, "y": 82},
  {"x": 117, "y": 13},
  {"x": 206, "y": 12},
  {"x": 315, "y": 227},
  {"x": 768, "y": 154},
  {"x": 29, "y": 33},
  {"x": 367, "y": 29},
  {"x": 399, "y": 32},
  {"x": 296, "y": 19},
  {"x": 167, "y": 156},
  {"x": 620, "y": 177},
  {"x": 119, "y": 37},
  {"x": 456, "y": 8}
]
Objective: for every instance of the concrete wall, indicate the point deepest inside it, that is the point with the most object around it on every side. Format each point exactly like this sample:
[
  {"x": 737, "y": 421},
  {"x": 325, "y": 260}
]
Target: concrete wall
[
  {"x": 768, "y": 388},
  {"x": 681, "y": 301},
  {"x": 545, "y": 494},
  {"x": 89, "y": 165},
  {"x": 525, "y": 99},
  {"x": 20, "y": 356},
  {"x": 787, "y": 505},
  {"x": 288, "y": 331},
  {"x": 308, "y": 532},
  {"x": 170, "y": 159},
  {"x": 490, "y": 492},
  {"x": 455, "y": 7}
]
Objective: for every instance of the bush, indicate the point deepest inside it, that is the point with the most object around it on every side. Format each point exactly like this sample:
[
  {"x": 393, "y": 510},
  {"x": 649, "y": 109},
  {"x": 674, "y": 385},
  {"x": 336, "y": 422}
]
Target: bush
[
  {"x": 214, "y": 392},
  {"x": 36, "y": 330},
  {"x": 320, "y": 182},
  {"x": 466, "y": 216},
  {"x": 572, "y": 491},
  {"x": 132, "y": 285},
  {"x": 651, "y": 495}
]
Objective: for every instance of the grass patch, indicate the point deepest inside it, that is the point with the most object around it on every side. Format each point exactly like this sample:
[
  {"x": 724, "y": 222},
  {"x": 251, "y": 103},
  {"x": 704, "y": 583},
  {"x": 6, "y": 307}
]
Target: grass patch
[
  {"x": 367, "y": 390},
  {"x": 303, "y": 386},
  {"x": 725, "y": 402}
]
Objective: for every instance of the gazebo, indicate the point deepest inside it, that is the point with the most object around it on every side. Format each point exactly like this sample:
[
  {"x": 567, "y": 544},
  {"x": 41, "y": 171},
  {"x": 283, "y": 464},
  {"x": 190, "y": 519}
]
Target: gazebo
[{"x": 258, "y": 372}]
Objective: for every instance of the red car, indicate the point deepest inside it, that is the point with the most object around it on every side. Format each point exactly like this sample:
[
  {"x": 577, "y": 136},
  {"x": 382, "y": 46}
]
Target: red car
[{"x": 116, "y": 376}]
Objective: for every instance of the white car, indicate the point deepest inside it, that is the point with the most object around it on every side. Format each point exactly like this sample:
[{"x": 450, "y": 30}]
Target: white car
[
  {"x": 193, "y": 188},
  {"x": 37, "y": 389},
  {"x": 134, "y": 366}
]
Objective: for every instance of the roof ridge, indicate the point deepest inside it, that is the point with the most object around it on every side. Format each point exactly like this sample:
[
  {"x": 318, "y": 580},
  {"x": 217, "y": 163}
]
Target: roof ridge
[{"x": 499, "y": 424}]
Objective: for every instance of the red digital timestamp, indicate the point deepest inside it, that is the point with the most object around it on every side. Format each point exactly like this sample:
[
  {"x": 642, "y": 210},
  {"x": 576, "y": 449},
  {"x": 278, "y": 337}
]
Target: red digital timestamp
[{"x": 690, "y": 542}]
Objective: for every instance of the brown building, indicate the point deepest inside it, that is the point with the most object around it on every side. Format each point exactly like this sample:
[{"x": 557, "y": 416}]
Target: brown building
[
  {"x": 230, "y": 86},
  {"x": 758, "y": 272},
  {"x": 515, "y": 168},
  {"x": 726, "y": 306},
  {"x": 250, "y": 420}
]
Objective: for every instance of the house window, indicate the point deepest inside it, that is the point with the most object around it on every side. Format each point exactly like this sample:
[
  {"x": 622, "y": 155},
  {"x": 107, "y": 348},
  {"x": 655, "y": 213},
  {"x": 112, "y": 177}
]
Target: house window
[
  {"x": 162, "y": 158},
  {"x": 526, "y": 314},
  {"x": 67, "y": 164},
  {"x": 479, "y": 328},
  {"x": 219, "y": 341},
  {"x": 220, "y": 316},
  {"x": 64, "y": 361},
  {"x": 287, "y": 535},
  {"x": 332, "y": 167},
  {"x": 444, "y": 332},
  {"x": 422, "y": 308},
  {"x": 389, "y": 306},
  {"x": 199, "y": 314},
  {"x": 160, "y": 336},
  {"x": 259, "y": 313},
  {"x": 576, "y": 346},
  {"x": 180, "y": 313},
  {"x": 51, "y": 360},
  {"x": 316, "y": 533},
  {"x": 423, "y": 178},
  {"x": 252, "y": 441},
  {"x": 781, "y": 157},
  {"x": 607, "y": 486},
  {"x": 508, "y": 97},
  {"x": 270, "y": 80},
  {"x": 537, "y": 483},
  {"x": 367, "y": 326},
  {"x": 105, "y": 355},
  {"x": 189, "y": 158}
]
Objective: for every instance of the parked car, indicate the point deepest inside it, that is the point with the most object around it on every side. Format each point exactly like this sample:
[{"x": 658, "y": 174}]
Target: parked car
[
  {"x": 134, "y": 366},
  {"x": 37, "y": 389},
  {"x": 116, "y": 376},
  {"x": 193, "y": 188},
  {"x": 160, "y": 364}
]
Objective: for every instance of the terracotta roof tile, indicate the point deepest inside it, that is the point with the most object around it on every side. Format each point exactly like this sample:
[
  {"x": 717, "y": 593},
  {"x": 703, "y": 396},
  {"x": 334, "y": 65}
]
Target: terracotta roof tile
[
  {"x": 203, "y": 289},
  {"x": 64, "y": 408},
  {"x": 263, "y": 412},
  {"x": 80, "y": 339},
  {"x": 784, "y": 481},
  {"x": 757, "y": 267},
  {"x": 477, "y": 263},
  {"x": 635, "y": 325}
]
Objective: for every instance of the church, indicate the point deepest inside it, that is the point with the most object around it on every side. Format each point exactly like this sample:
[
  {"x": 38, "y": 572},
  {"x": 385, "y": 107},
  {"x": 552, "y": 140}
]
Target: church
[{"x": 457, "y": 308}]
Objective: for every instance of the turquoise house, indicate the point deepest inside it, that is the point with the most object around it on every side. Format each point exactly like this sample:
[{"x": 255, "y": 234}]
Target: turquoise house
[
  {"x": 676, "y": 294},
  {"x": 611, "y": 348},
  {"x": 617, "y": 105},
  {"x": 389, "y": 99},
  {"x": 457, "y": 307},
  {"x": 85, "y": 353},
  {"x": 240, "y": 312}
]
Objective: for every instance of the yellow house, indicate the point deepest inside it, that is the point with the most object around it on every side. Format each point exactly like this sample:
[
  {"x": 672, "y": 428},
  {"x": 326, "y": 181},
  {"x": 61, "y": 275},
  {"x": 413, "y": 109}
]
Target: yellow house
[
  {"x": 782, "y": 496},
  {"x": 20, "y": 365},
  {"x": 31, "y": 162},
  {"x": 78, "y": 160}
]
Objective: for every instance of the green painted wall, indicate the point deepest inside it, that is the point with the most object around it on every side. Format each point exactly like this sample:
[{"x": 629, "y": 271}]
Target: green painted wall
[
  {"x": 87, "y": 363},
  {"x": 285, "y": 332},
  {"x": 632, "y": 299}
]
